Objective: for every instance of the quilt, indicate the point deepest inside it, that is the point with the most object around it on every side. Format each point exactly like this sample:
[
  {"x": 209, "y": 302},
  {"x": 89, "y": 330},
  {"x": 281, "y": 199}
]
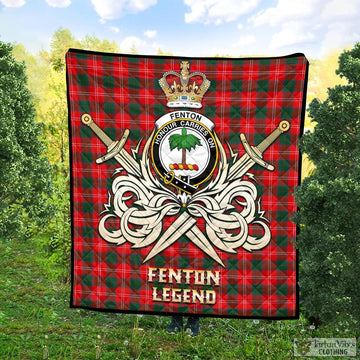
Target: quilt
[{"x": 183, "y": 171}]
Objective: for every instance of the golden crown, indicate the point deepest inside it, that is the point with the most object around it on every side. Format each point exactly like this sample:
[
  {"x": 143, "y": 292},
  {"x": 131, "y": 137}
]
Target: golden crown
[{"x": 184, "y": 89}]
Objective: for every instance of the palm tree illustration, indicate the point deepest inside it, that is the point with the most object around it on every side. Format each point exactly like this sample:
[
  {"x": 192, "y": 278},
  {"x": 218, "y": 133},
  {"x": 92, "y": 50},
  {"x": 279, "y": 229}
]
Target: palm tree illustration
[{"x": 183, "y": 141}]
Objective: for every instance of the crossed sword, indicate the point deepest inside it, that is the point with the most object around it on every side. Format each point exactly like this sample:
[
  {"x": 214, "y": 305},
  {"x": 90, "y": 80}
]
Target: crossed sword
[{"x": 185, "y": 224}]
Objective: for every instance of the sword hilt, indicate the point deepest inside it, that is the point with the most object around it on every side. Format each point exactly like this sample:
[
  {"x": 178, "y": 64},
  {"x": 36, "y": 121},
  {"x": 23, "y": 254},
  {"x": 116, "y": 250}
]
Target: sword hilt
[{"x": 114, "y": 148}]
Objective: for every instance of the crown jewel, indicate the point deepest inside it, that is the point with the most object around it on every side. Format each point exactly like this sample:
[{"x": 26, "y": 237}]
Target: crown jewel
[{"x": 184, "y": 89}]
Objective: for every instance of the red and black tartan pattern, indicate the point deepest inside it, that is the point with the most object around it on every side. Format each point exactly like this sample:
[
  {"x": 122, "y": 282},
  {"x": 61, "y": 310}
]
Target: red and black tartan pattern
[{"x": 248, "y": 95}]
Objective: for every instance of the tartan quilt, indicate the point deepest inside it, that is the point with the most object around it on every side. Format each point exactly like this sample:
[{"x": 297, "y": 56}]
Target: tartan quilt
[{"x": 182, "y": 179}]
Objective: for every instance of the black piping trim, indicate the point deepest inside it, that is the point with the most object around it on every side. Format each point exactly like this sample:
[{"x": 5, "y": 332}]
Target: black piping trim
[{"x": 80, "y": 51}]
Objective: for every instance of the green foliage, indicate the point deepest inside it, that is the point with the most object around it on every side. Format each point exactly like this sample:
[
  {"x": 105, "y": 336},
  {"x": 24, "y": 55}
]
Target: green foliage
[
  {"x": 133, "y": 50},
  {"x": 56, "y": 237},
  {"x": 37, "y": 72},
  {"x": 183, "y": 141},
  {"x": 47, "y": 83},
  {"x": 25, "y": 174},
  {"x": 329, "y": 202},
  {"x": 63, "y": 40},
  {"x": 164, "y": 53}
]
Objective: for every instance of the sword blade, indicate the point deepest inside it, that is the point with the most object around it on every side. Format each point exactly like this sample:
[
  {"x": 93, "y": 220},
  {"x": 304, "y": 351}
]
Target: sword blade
[
  {"x": 241, "y": 167},
  {"x": 200, "y": 240},
  {"x": 178, "y": 228}
]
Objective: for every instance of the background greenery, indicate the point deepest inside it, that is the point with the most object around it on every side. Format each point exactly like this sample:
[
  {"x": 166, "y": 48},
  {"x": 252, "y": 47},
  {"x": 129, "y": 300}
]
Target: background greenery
[
  {"x": 35, "y": 319},
  {"x": 329, "y": 202}
]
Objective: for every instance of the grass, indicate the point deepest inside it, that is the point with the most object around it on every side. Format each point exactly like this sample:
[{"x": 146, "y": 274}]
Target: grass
[{"x": 37, "y": 323}]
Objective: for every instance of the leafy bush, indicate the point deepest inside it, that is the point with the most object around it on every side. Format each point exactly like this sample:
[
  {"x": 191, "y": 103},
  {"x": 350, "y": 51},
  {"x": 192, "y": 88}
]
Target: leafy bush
[
  {"x": 25, "y": 174},
  {"x": 56, "y": 237},
  {"x": 329, "y": 202}
]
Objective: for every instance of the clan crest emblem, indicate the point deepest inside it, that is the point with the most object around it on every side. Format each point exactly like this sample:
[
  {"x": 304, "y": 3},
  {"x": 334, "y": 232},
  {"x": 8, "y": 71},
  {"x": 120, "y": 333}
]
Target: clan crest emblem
[
  {"x": 184, "y": 150},
  {"x": 185, "y": 171}
]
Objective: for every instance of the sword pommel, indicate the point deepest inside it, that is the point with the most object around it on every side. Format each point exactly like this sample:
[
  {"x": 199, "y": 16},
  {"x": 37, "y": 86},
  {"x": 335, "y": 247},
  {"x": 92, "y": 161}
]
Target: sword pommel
[
  {"x": 284, "y": 126},
  {"x": 86, "y": 119}
]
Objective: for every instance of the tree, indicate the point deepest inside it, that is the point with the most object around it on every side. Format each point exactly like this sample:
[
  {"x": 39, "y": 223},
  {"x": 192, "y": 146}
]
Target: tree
[
  {"x": 25, "y": 174},
  {"x": 164, "y": 53},
  {"x": 47, "y": 83},
  {"x": 61, "y": 42},
  {"x": 329, "y": 202},
  {"x": 323, "y": 75},
  {"x": 133, "y": 50},
  {"x": 183, "y": 142},
  {"x": 95, "y": 44}
]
